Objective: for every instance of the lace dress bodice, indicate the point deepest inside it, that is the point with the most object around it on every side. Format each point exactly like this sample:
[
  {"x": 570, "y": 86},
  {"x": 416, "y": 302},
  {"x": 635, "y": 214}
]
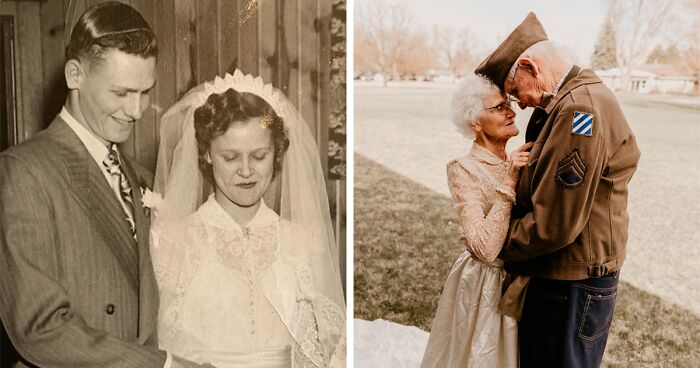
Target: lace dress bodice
[
  {"x": 483, "y": 204},
  {"x": 214, "y": 302},
  {"x": 230, "y": 296}
]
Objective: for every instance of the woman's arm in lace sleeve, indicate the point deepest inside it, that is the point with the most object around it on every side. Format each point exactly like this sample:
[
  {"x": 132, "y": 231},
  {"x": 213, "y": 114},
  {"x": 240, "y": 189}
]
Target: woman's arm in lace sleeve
[
  {"x": 168, "y": 245},
  {"x": 484, "y": 232},
  {"x": 154, "y": 241}
]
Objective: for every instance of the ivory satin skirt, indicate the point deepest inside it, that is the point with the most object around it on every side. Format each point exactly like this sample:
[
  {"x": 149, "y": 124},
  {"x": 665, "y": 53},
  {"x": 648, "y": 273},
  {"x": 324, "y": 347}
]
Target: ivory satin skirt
[
  {"x": 263, "y": 358},
  {"x": 468, "y": 330}
]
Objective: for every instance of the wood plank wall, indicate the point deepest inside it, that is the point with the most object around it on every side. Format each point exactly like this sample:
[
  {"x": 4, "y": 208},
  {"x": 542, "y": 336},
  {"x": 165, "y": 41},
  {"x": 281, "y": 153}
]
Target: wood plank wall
[{"x": 286, "y": 42}]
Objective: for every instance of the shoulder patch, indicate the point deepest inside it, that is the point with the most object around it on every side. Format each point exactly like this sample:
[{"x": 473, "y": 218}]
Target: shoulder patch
[
  {"x": 571, "y": 170},
  {"x": 582, "y": 123}
]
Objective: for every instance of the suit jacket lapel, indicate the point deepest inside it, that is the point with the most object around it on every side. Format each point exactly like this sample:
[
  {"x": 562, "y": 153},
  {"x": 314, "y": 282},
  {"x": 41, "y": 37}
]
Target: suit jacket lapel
[
  {"x": 94, "y": 194},
  {"x": 148, "y": 290}
]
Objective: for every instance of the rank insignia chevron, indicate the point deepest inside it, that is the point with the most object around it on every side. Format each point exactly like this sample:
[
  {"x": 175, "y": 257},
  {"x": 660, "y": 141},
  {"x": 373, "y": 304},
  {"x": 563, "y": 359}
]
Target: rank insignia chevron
[{"x": 571, "y": 170}]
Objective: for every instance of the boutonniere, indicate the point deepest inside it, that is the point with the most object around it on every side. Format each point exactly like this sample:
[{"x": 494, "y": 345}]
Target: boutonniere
[{"x": 150, "y": 200}]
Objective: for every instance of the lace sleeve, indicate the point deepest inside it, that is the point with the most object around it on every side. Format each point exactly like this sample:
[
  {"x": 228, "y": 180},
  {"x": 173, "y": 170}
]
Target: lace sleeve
[
  {"x": 175, "y": 259},
  {"x": 338, "y": 359},
  {"x": 155, "y": 244},
  {"x": 319, "y": 324},
  {"x": 484, "y": 228}
]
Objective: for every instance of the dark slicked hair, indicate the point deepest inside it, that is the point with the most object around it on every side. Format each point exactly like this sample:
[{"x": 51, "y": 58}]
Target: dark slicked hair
[
  {"x": 221, "y": 110},
  {"x": 111, "y": 25}
]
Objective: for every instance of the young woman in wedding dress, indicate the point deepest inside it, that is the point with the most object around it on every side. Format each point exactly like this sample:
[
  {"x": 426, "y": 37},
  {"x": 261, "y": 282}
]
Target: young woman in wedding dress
[{"x": 250, "y": 277}]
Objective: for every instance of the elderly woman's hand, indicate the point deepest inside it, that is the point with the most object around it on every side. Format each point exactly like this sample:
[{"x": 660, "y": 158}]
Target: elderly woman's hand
[{"x": 518, "y": 159}]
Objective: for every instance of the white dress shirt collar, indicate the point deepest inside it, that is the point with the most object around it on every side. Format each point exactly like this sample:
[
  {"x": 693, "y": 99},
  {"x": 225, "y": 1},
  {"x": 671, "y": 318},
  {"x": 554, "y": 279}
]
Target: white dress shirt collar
[
  {"x": 561, "y": 81},
  {"x": 97, "y": 149}
]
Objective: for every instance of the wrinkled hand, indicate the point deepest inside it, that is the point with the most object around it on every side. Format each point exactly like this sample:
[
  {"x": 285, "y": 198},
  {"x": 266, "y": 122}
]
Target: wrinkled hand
[
  {"x": 463, "y": 238},
  {"x": 518, "y": 159}
]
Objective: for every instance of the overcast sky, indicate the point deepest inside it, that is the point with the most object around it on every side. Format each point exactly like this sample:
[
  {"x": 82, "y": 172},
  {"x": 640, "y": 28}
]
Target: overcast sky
[{"x": 573, "y": 23}]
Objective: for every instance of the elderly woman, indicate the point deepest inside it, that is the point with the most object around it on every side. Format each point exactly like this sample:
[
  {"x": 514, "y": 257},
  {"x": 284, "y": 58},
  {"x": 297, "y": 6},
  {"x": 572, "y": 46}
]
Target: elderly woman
[{"x": 468, "y": 330}]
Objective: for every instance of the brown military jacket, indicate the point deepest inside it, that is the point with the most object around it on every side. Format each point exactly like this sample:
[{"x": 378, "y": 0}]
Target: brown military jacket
[{"x": 572, "y": 196}]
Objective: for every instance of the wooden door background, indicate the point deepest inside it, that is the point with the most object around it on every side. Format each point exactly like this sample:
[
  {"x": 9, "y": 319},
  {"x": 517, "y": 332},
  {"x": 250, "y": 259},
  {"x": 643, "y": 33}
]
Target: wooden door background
[{"x": 297, "y": 45}]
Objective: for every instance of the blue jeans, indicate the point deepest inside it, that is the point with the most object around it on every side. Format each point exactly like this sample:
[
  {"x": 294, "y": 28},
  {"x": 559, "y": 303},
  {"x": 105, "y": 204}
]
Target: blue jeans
[{"x": 565, "y": 323}]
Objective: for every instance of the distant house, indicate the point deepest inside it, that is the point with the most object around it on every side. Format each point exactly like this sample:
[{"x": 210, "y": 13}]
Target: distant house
[{"x": 652, "y": 78}]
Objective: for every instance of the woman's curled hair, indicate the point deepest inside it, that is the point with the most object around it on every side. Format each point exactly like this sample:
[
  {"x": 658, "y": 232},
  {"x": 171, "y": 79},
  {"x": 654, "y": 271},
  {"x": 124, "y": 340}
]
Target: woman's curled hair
[{"x": 221, "y": 110}]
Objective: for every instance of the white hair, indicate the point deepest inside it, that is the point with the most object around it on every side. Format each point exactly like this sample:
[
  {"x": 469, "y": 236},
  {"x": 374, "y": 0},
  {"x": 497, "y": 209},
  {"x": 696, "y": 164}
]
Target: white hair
[
  {"x": 468, "y": 102},
  {"x": 545, "y": 50}
]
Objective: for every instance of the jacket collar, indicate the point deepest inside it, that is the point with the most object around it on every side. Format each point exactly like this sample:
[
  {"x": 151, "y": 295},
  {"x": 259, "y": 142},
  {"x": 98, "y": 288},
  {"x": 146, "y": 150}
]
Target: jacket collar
[
  {"x": 92, "y": 192},
  {"x": 94, "y": 146},
  {"x": 585, "y": 76},
  {"x": 89, "y": 187}
]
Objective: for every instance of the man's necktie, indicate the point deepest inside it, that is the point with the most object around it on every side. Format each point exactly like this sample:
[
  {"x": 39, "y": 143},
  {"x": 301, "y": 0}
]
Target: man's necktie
[
  {"x": 121, "y": 185},
  {"x": 534, "y": 126}
]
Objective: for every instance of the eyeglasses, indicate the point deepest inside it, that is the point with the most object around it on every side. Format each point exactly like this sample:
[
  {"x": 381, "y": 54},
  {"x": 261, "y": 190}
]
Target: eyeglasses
[
  {"x": 501, "y": 108},
  {"x": 513, "y": 93}
]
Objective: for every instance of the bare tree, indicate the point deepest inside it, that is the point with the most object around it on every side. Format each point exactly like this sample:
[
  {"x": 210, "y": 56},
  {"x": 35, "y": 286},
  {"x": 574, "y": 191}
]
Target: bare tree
[
  {"x": 365, "y": 54},
  {"x": 690, "y": 55},
  {"x": 691, "y": 58},
  {"x": 418, "y": 56},
  {"x": 465, "y": 59},
  {"x": 639, "y": 26},
  {"x": 383, "y": 29},
  {"x": 668, "y": 55},
  {"x": 455, "y": 49}
]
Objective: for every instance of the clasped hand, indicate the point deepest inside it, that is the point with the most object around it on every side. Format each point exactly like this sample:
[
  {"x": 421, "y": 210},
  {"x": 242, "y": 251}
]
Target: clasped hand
[{"x": 518, "y": 159}]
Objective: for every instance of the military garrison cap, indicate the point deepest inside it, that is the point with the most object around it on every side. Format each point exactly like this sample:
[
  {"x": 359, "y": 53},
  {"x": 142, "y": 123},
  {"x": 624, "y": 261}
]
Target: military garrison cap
[{"x": 497, "y": 65}]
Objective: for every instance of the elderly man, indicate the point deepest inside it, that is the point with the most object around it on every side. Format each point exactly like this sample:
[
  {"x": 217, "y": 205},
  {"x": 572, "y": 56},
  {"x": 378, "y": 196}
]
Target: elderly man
[
  {"x": 77, "y": 284},
  {"x": 569, "y": 229}
]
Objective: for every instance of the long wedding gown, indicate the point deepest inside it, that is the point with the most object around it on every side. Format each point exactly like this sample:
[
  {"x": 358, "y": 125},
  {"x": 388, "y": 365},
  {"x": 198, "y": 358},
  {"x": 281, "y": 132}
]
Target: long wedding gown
[
  {"x": 231, "y": 298},
  {"x": 468, "y": 330}
]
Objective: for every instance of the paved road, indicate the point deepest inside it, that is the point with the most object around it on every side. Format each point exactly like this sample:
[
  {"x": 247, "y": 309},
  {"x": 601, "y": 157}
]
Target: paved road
[{"x": 406, "y": 127}]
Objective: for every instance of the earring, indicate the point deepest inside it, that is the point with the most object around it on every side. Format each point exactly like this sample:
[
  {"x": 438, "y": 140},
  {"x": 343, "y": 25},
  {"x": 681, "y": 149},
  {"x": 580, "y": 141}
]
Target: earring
[{"x": 208, "y": 158}]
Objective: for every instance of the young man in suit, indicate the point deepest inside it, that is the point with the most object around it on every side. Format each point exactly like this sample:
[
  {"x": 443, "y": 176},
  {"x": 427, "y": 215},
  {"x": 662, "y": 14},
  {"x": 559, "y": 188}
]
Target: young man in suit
[{"x": 77, "y": 283}]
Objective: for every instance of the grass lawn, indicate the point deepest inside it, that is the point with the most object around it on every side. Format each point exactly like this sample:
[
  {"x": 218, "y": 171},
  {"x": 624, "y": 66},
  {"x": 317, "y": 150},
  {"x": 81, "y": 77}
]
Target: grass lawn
[{"x": 406, "y": 239}]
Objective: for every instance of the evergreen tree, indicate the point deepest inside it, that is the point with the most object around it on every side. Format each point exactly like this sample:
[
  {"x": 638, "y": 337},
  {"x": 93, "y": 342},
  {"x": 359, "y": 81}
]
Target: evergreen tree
[{"x": 604, "y": 53}]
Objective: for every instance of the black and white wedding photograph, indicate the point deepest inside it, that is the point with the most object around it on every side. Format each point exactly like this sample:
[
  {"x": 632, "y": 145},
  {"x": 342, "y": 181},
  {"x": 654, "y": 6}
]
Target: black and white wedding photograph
[{"x": 173, "y": 183}]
